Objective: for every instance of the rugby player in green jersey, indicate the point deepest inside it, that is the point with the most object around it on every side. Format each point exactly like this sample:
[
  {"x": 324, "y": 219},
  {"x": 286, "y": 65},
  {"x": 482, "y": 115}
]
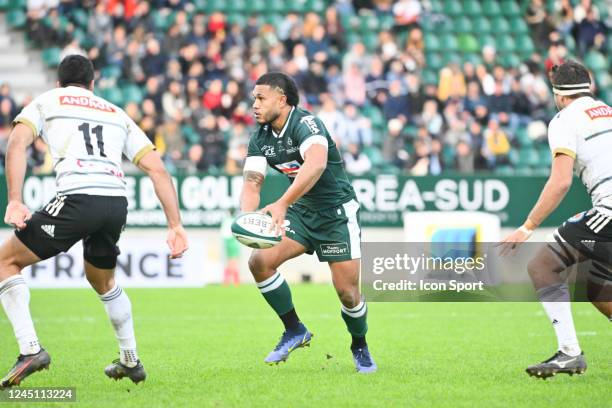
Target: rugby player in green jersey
[{"x": 318, "y": 213}]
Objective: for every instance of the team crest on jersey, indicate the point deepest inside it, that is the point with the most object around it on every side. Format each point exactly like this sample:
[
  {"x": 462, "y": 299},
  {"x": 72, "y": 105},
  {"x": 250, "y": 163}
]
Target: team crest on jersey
[
  {"x": 290, "y": 168},
  {"x": 598, "y": 112},
  {"x": 86, "y": 102}
]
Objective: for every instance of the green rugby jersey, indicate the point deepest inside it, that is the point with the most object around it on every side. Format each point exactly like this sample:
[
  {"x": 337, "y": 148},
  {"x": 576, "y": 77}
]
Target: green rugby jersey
[{"x": 282, "y": 152}]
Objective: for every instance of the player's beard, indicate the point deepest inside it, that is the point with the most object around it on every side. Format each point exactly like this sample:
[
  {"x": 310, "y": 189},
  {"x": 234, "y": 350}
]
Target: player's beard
[{"x": 273, "y": 117}]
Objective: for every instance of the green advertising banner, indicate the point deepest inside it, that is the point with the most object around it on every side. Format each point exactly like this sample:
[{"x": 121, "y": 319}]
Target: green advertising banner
[{"x": 206, "y": 199}]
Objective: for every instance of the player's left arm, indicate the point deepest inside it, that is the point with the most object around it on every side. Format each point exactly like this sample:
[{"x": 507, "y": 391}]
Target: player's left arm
[
  {"x": 315, "y": 162},
  {"x": 558, "y": 184},
  {"x": 20, "y": 138}
]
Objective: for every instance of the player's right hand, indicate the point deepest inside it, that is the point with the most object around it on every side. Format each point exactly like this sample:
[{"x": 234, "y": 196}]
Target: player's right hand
[
  {"x": 177, "y": 242},
  {"x": 17, "y": 214}
]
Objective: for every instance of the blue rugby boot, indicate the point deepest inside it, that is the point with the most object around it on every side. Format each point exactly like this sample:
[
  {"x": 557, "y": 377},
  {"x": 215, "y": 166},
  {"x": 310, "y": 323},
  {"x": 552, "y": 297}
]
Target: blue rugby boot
[{"x": 289, "y": 341}]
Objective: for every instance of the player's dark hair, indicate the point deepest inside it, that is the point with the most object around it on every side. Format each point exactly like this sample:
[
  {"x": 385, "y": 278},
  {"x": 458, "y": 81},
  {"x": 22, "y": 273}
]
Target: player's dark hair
[
  {"x": 75, "y": 70},
  {"x": 283, "y": 83},
  {"x": 570, "y": 73}
]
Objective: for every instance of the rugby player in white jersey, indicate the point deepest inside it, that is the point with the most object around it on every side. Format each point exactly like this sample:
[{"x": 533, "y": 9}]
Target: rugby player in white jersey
[
  {"x": 87, "y": 137},
  {"x": 580, "y": 138}
]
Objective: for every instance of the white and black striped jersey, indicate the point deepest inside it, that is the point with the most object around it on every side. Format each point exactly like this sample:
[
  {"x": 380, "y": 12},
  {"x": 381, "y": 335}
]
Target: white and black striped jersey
[
  {"x": 87, "y": 137},
  {"x": 583, "y": 130}
]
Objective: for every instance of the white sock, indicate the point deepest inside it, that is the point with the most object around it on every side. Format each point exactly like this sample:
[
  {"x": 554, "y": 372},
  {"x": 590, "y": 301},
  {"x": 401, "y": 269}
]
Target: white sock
[
  {"x": 15, "y": 298},
  {"x": 555, "y": 300},
  {"x": 119, "y": 310}
]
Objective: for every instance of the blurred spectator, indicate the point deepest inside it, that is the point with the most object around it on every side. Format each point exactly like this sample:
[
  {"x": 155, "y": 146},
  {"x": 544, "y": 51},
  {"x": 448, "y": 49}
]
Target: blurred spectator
[
  {"x": 497, "y": 146},
  {"x": 431, "y": 119},
  {"x": 464, "y": 158},
  {"x": 419, "y": 162},
  {"x": 354, "y": 86},
  {"x": 582, "y": 10},
  {"x": 452, "y": 83},
  {"x": 539, "y": 22},
  {"x": 355, "y": 161},
  {"x": 357, "y": 128},
  {"x": 397, "y": 104},
  {"x": 332, "y": 118},
  {"x": 394, "y": 145},
  {"x": 407, "y": 12},
  {"x": 590, "y": 32}
]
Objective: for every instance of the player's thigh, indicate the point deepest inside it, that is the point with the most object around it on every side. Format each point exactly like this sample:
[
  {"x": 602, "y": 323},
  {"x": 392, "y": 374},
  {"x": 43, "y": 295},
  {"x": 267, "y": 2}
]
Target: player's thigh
[
  {"x": 336, "y": 234},
  {"x": 54, "y": 228},
  {"x": 14, "y": 256},
  {"x": 265, "y": 261},
  {"x": 556, "y": 256},
  {"x": 100, "y": 246}
]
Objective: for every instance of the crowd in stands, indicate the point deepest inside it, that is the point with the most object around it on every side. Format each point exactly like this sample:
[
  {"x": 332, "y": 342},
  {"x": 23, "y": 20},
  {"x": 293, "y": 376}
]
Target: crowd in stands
[{"x": 184, "y": 73}]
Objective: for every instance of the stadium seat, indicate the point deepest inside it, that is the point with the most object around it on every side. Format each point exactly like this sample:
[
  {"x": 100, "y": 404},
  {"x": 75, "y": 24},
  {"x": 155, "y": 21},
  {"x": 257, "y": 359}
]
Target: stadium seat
[
  {"x": 462, "y": 25},
  {"x": 453, "y": 7},
  {"x": 277, "y": 6},
  {"x": 4, "y": 4},
  {"x": 16, "y": 18},
  {"x": 254, "y": 6},
  {"x": 18, "y": 4},
  {"x": 510, "y": 60},
  {"x": 522, "y": 137},
  {"x": 430, "y": 76},
  {"x": 510, "y": 8},
  {"x": 528, "y": 157},
  {"x": 486, "y": 40},
  {"x": 132, "y": 93},
  {"x": 475, "y": 58},
  {"x": 518, "y": 26},
  {"x": 191, "y": 136},
  {"x": 472, "y": 8},
  {"x": 111, "y": 72},
  {"x": 544, "y": 157},
  {"x": 113, "y": 95},
  {"x": 595, "y": 61},
  {"x": 369, "y": 23},
  {"x": 318, "y": 6},
  {"x": 434, "y": 63},
  {"x": 298, "y": 6},
  {"x": 606, "y": 95},
  {"x": 500, "y": 25},
  {"x": 481, "y": 25},
  {"x": 370, "y": 40},
  {"x": 51, "y": 56},
  {"x": 80, "y": 17},
  {"x": 448, "y": 42},
  {"x": 468, "y": 44},
  {"x": 504, "y": 170},
  {"x": 490, "y": 8},
  {"x": 451, "y": 57},
  {"x": 505, "y": 43},
  {"x": 432, "y": 43},
  {"x": 375, "y": 116},
  {"x": 524, "y": 45},
  {"x": 374, "y": 154},
  {"x": 448, "y": 154},
  {"x": 602, "y": 79},
  {"x": 436, "y": 6}
]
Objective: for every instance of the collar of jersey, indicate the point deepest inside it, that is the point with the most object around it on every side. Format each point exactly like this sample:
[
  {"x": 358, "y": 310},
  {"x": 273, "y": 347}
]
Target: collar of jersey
[{"x": 284, "y": 127}]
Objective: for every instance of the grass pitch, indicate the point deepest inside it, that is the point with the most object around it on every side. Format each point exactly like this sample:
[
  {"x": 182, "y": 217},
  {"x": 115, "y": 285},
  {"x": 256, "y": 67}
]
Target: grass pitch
[{"x": 205, "y": 347}]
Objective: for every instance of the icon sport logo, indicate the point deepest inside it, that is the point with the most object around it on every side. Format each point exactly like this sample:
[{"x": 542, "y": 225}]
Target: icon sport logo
[{"x": 289, "y": 168}]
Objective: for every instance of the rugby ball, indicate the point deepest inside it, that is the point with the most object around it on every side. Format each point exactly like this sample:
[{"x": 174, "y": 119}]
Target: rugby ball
[{"x": 253, "y": 230}]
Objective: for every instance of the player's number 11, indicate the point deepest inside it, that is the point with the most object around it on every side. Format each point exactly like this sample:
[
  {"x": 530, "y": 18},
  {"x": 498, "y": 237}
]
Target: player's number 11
[{"x": 96, "y": 131}]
